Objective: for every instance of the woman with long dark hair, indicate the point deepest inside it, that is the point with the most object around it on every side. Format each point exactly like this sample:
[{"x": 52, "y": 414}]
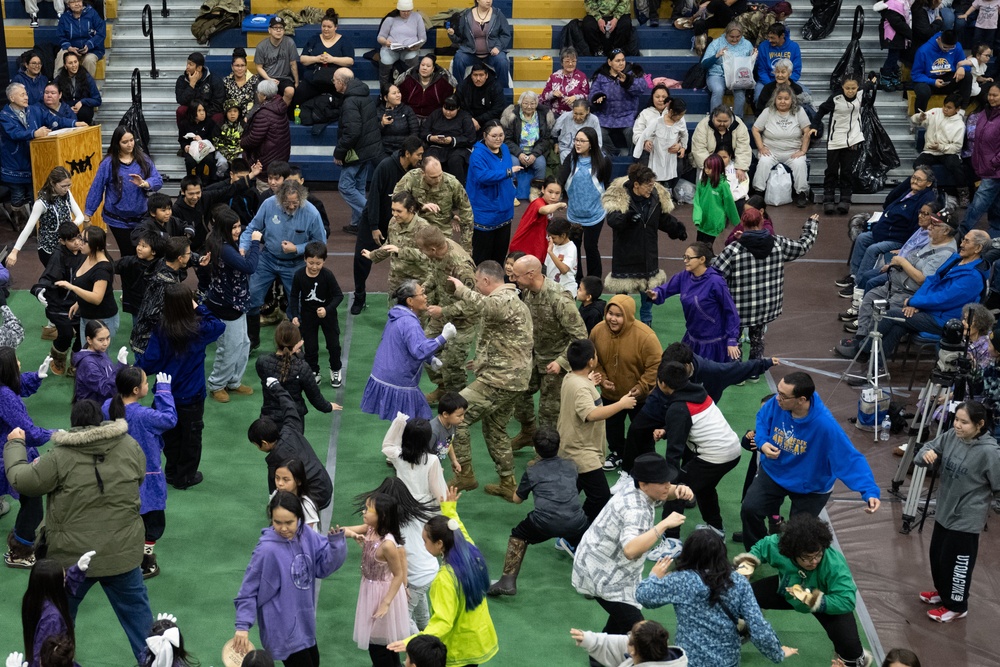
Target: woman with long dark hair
[
  {"x": 13, "y": 414},
  {"x": 78, "y": 88},
  {"x": 45, "y": 605},
  {"x": 584, "y": 176},
  {"x": 54, "y": 206},
  {"x": 228, "y": 298},
  {"x": 294, "y": 374},
  {"x": 466, "y": 628},
  {"x": 710, "y": 597},
  {"x": 93, "y": 284},
  {"x": 177, "y": 348},
  {"x": 490, "y": 185},
  {"x": 123, "y": 181},
  {"x": 615, "y": 91}
]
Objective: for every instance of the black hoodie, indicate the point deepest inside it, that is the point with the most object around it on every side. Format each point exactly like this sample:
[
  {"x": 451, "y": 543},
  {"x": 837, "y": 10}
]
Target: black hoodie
[
  {"x": 485, "y": 102},
  {"x": 758, "y": 242},
  {"x": 692, "y": 417}
]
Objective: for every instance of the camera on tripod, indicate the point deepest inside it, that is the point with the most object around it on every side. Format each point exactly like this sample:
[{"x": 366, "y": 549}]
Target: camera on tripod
[
  {"x": 880, "y": 306},
  {"x": 952, "y": 357}
]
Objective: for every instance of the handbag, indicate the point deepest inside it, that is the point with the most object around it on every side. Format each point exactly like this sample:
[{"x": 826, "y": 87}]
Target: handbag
[
  {"x": 779, "y": 186},
  {"x": 739, "y": 72}
]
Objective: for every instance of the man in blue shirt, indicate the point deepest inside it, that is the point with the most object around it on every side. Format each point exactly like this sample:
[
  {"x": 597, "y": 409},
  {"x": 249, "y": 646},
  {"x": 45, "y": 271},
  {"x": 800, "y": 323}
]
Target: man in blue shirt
[
  {"x": 936, "y": 71},
  {"x": 804, "y": 451},
  {"x": 288, "y": 222},
  {"x": 779, "y": 46}
]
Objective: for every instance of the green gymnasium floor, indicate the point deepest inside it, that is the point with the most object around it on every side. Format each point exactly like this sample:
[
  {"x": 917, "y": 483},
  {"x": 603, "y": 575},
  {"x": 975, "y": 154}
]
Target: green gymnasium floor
[{"x": 212, "y": 528}]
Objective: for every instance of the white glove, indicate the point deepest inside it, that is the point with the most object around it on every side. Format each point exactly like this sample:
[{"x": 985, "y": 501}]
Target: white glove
[
  {"x": 162, "y": 377},
  {"x": 84, "y": 561},
  {"x": 123, "y": 355},
  {"x": 16, "y": 659},
  {"x": 43, "y": 370},
  {"x": 436, "y": 364},
  {"x": 449, "y": 331},
  {"x": 270, "y": 382},
  {"x": 166, "y": 617},
  {"x": 45, "y": 302}
]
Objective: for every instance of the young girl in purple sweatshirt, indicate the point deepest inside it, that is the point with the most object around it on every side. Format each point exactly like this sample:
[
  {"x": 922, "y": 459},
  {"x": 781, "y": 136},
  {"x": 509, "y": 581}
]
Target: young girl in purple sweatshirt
[{"x": 45, "y": 606}]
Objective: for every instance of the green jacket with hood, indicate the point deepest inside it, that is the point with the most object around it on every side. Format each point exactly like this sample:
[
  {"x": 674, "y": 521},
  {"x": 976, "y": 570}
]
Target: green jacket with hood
[
  {"x": 92, "y": 476},
  {"x": 832, "y": 576}
]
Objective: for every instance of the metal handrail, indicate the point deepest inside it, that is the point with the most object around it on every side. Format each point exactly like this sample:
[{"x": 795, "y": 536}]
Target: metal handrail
[
  {"x": 164, "y": 12},
  {"x": 147, "y": 31}
]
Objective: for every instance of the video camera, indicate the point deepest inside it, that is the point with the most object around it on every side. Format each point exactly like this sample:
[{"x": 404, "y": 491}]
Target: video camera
[{"x": 952, "y": 357}]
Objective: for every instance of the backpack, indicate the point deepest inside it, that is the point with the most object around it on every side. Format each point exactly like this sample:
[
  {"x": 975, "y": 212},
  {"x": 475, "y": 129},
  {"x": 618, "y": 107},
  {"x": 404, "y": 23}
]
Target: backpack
[
  {"x": 695, "y": 78},
  {"x": 321, "y": 110},
  {"x": 572, "y": 36}
]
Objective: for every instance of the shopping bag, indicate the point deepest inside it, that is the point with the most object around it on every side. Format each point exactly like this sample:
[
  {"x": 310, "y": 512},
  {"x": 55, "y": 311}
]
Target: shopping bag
[
  {"x": 779, "y": 186},
  {"x": 739, "y": 72}
]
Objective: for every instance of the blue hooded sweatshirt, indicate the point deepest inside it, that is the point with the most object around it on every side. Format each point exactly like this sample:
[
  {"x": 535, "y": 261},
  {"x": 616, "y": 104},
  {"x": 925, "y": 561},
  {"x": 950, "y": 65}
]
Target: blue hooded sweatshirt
[
  {"x": 187, "y": 368},
  {"x": 279, "y": 587},
  {"x": 930, "y": 63},
  {"x": 815, "y": 451},
  {"x": 953, "y": 285},
  {"x": 491, "y": 187},
  {"x": 767, "y": 55}
]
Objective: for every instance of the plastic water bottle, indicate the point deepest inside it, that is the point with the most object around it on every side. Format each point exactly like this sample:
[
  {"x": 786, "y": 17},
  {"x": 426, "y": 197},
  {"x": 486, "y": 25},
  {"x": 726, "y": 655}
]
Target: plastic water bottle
[
  {"x": 886, "y": 425},
  {"x": 298, "y": 114}
]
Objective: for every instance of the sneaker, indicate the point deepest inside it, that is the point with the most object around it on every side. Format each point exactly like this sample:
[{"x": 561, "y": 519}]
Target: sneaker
[
  {"x": 319, "y": 378},
  {"x": 4, "y": 506},
  {"x": 624, "y": 482},
  {"x": 149, "y": 567},
  {"x": 846, "y": 281},
  {"x": 563, "y": 545},
  {"x": 705, "y": 526},
  {"x": 242, "y": 390},
  {"x": 336, "y": 378},
  {"x": 753, "y": 379},
  {"x": 941, "y": 614},
  {"x": 846, "y": 293},
  {"x": 669, "y": 547},
  {"x": 357, "y": 304},
  {"x": 27, "y": 562},
  {"x": 612, "y": 462},
  {"x": 851, "y": 327},
  {"x": 34, "y": 21},
  {"x": 220, "y": 395},
  {"x": 930, "y": 597},
  {"x": 848, "y": 315},
  {"x": 517, "y": 202},
  {"x": 801, "y": 199}
]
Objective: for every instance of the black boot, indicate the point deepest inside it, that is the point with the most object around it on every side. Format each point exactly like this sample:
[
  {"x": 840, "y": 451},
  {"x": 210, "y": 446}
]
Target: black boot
[
  {"x": 507, "y": 585},
  {"x": 358, "y": 303},
  {"x": 253, "y": 330}
]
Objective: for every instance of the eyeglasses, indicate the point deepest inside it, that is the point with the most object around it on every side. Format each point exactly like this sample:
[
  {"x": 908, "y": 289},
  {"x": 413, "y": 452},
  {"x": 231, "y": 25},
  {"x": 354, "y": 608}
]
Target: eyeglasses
[
  {"x": 923, "y": 213},
  {"x": 689, "y": 258},
  {"x": 811, "y": 558},
  {"x": 784, "y": 397}
]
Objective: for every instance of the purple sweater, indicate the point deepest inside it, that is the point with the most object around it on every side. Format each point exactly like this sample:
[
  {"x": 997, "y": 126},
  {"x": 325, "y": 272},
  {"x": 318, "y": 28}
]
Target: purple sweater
[
  {"x": 622, "y": 104},
  {"x": 13, "y": 415},
  {"x": 709, "y": 312},
  {"x": 95, "y": 375},
  {"x": 124, "y": 209},
  {"x": 279, "y": 587},
  {"x": 147, "y": 426},
  {"x": 51, "y": 622}
]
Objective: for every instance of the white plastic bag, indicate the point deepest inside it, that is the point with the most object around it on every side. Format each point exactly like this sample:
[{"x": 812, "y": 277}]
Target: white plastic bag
[
  {"x": 739, "y": 72},
  {"x": 684, "y": 192},
  {"x": 200, "y": 149},
  {"x": 779, "y": 186}
]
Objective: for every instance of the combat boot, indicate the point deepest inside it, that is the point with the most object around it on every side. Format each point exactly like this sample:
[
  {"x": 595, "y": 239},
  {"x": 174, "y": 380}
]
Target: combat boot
[
  {"x": 465, "y": 480},
  {"x": 505, "y": 489},
  {"x": 507, "y": 585},
  {"x": 435, "y": 396},
  {"x": 526, "y": 438}
]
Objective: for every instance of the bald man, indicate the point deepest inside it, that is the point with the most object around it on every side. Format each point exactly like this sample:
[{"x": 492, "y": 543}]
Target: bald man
[
  {"x": 442, "y": 199},
  {"x": 361, "y": 135},
  {"x": 556, "y": 323}
]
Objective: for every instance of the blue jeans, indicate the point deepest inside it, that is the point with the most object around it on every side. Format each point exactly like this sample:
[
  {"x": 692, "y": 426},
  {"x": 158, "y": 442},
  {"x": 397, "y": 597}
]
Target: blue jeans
[
  {"x": 987, "y": 200},
  {"x": 268, "y": 268},
  {"x": 523, "y": 178},
  {"x": 869, "y": 280},
  {"x": 645, "y": 309},
  {"x": 112, "y": 323},
  {"x": 893, "y": 331},
  {"x": 20, "y": 194},
  {"x": 232, "y": 351},
  {"x": 127, "y": 594},
  {"x": 498, "y": 63},
  {"x": 717, "y": 86},
  {"x": 871, "y": 255},
  {"x": 352, "y": 186},
  {"x": 861, "y": 244},
  {"x": 951, "y": 21}
]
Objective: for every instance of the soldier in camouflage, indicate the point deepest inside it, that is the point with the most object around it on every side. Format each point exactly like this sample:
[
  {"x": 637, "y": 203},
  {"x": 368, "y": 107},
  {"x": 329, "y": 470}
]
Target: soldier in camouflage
[
  {"x": 502, "y": 368},
  {"x": 556, "y": 323},
  {"x": 405, "y": 261},
  {"x": 444, "y": 259},
  {"x": 441, "y": 198}
]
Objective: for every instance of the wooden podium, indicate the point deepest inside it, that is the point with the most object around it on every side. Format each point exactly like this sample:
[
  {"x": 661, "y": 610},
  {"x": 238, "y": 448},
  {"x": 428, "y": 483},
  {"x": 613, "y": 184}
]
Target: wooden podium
[{"x": 79, "y": 151}]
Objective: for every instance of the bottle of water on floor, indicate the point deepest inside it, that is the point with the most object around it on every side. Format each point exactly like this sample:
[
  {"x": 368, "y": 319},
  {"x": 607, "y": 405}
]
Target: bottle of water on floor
[{"x": 886, "y": 425}]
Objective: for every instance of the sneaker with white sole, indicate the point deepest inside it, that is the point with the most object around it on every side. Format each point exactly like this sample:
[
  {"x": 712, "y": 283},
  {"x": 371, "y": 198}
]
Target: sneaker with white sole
[
  {"x": 25, "y": 563},
  {"x": 945, "y": 615},
  {"x": 563, "y": 545},
  {"x": 319, "y": 378},
  {"x": 336, "y": 378},
  {"x": 624, "y": 482},
  {"x": 930, "y": 597},
  {"x": 4, "y": 506},
  {"x": 846, "y": 281},
  {"x": 612, "y": 462},
  {"x": 669, "y": 547}
]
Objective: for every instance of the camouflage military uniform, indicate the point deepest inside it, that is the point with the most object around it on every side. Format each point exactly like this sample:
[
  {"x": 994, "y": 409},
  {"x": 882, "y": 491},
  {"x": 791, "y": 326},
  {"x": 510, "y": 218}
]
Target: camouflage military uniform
[
  {"x": 557, "y": 323},
  {"x": 502, "y": 366},
  {"x": 450, "y": 196},
  {"x": 462, "y": 313},
  {"x": 409, "y": 262}
]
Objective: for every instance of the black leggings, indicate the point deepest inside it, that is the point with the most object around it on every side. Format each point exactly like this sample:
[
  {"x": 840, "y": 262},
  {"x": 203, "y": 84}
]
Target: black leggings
[
  {"x": 67, "y": 331},
  {"x": 29, "y": 517},
  {"x": 123, "y": 237},
  {"x": 589, "y": 243},
  {"x": 491, "y": 244},
  {"x": 382, "y": 657},
  {"x": 307, "y": 657}
]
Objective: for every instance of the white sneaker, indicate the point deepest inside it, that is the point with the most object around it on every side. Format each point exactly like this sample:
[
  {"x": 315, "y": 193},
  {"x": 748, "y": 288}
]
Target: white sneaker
[
  {"x": 705, "y": 526},
  {"x": 669, "y": 547},
  {"x": 624, "y": 482},
  {"x": 336, "y": 378},
  {"x": 319, "y": 378},
  {"x": 4, "y": 506},
  {"x": 33, "y": 21},
  {"x": 563, "y": 545}
]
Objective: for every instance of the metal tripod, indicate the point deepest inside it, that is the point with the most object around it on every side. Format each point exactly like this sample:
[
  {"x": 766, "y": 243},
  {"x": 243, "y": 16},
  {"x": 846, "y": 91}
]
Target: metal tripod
[{"x": 877, "y": 368}]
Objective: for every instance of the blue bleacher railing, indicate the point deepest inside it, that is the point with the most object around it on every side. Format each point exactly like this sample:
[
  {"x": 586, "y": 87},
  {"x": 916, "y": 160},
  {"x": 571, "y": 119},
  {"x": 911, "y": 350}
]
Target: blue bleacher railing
[{"x": 147, "y": 31}]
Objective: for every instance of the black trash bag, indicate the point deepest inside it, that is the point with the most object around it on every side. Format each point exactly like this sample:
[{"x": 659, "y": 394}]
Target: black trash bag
[
  {"x": 877, "y": 155},
  {"x": 853, "y": 61},
  {"x": 823, "y": 19},
  {"x": 133, "y": 118}
]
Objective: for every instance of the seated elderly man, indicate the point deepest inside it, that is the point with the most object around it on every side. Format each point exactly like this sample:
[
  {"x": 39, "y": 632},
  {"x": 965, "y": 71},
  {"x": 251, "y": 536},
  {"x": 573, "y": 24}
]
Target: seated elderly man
[
  {"x": 568, "y": 124},
  {"x": 961, "y": 279},
  {"x": 906, "y": 275},
  {"x": 898, "y": 222}
]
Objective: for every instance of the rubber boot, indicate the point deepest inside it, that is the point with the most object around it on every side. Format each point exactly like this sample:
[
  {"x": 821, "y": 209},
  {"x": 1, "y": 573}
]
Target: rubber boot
[
  {"x": 505, "y": 489},
  {"x": 526, "y": 438},
  {"x": 465, "y": 480},
  {"x": 507, "y": 585},
  {"x": 58, "y": 365}
]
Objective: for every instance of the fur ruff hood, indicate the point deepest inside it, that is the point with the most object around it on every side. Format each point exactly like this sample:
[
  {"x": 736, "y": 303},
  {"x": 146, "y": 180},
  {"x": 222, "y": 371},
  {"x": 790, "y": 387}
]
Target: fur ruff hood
[
  {"x": 101, "y": 437},
  {"x": 616, "y": 198}
]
